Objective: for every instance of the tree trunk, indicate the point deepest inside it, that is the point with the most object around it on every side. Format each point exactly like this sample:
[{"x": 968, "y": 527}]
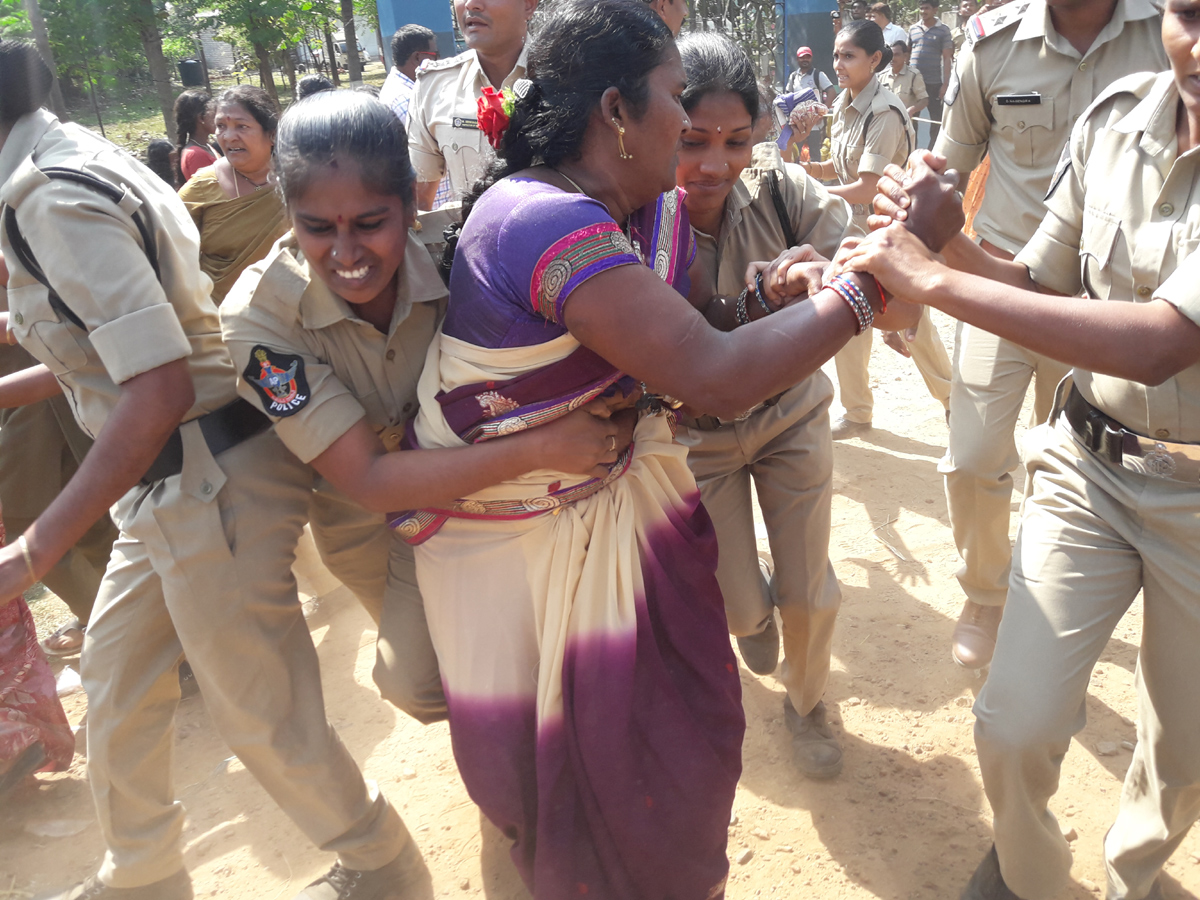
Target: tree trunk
[
  {"x": 353, "y": 66},
  {"x": 43, "y": 44},
  {"x": 159, "y": 71},
  {"x": 266, "y": 72},
  {"x": 289, "y": 69},
  {"x": 383, "y": 53},
  {"x": 199, "y": 42},
  {"x": 331, "y": 56}
]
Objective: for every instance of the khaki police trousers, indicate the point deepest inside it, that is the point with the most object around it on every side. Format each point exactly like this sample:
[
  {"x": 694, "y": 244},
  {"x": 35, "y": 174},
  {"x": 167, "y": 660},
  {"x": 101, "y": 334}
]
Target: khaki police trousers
[
  {"x": 854, "y": 380},
  {"x": 202, "y": 567},
  {"x": 379, "y": 568},
  {"x": 786, "y": 451},
  {"x": 991, "y": 376},
  {"x": 1092, "y": 535}
]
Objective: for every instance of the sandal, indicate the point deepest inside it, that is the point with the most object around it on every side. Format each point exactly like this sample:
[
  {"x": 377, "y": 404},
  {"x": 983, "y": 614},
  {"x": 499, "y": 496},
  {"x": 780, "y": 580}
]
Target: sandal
[{"x": 66, "y": 641}]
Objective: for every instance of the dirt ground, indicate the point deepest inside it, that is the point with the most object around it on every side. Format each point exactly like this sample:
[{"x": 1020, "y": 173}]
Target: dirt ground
[{"x": 906, "y": 819}]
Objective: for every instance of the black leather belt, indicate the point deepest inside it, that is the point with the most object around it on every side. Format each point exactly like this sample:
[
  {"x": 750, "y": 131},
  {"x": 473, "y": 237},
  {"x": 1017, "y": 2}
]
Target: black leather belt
[
  {"x": 222, "y": 428},
  {"x": 1113, "y": 442}
]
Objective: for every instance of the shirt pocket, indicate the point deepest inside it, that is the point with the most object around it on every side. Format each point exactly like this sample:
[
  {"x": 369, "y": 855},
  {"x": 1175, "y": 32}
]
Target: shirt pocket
[
  {"x": 1098, "y": 245},
  {"x": 41, "y": 331},
  {"x": 462, "y": 148},
  {"x": 1027, "y": 132}
]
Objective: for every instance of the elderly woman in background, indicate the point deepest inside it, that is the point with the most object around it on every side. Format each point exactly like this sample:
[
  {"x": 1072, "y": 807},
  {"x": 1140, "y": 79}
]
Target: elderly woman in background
[{"x": 233, "y": 202}]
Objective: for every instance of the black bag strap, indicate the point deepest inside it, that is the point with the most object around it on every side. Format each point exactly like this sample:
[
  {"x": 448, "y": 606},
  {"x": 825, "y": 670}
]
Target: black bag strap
[
  {"x": 781, "y": 210},
  {"x": 908, "y": 144},
  {"x": 24, "y": 253}
]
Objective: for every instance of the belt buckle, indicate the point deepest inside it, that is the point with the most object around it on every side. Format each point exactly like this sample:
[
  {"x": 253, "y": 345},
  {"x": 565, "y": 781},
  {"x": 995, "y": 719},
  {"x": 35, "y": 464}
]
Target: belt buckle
[{"x": 1159, "y": 462}]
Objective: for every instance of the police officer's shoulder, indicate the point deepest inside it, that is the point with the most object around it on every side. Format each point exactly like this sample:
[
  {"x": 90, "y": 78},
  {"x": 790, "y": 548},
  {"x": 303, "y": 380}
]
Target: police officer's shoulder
[
  {"x": 1121, "y": 96},
  {"x": 275, "y": 282},
  {"x": 994, "y": 22},
  {"x": 431, "y": 68}
]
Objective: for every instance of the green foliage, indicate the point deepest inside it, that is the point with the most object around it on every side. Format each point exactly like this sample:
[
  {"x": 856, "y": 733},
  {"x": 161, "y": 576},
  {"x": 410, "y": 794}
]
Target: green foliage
[{"x": 14, "y": 23}]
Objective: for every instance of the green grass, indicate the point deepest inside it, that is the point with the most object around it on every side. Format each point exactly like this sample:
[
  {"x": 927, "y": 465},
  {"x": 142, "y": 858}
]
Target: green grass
[{"x": 132, "y": 118}]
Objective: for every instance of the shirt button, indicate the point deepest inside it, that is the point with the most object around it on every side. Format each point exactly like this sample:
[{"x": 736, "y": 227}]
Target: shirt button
[
  {"x": 1082, "y": 66},
  {"x": 1143, "y": 290},
  {"x": 205, "y": 488},
  {"x": 1162, "y": 434},
  {"x": 1166, "y": 209},
  {"x": 454, "y": 146},
  {"x": 391, "y": 354},
  {"x": 19, "y": 319}
]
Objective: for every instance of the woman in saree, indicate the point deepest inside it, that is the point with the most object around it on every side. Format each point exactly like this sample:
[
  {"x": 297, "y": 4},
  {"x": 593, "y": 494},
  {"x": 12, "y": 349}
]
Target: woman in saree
[
  {"x": 232, "y": 201},
  {"x": 593, "y": 694}
]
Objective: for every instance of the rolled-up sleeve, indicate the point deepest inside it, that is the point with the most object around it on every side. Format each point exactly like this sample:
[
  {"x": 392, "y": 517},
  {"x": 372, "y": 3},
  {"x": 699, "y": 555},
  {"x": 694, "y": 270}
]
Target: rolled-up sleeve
[
  {"x": 1182, "y": 287},
  {"x": 966, "y": 122},
  {"x": 76, "y": 234}
]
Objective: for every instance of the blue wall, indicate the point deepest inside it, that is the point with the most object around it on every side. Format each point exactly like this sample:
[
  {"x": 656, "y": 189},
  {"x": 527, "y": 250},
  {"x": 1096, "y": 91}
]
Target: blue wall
[{"x": 433, "y": 14}]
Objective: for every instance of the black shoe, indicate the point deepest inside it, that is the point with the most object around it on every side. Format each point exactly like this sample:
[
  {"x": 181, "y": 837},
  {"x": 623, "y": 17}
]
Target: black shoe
[
  {"x": 815, "y": 750},
  {"x": 177, "y": 887},
  {"x": 405, "y": 878},
  {"x": 27, "y": 762},
  {"x": 760, "y": 652},
  {"x": 987, "y": 883}
]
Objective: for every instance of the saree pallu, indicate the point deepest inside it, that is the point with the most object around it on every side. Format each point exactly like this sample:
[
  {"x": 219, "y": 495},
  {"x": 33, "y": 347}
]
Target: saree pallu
[
  {"x": 234, "y": 233},
  {"x": 595, "y": 705},
  {"x": 30, "y": 712}
]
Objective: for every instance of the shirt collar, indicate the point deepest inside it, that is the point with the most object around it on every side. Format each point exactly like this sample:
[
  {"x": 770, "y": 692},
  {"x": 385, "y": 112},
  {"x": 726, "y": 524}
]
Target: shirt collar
[
  {"x": 862, "y": 103},
  {"x": 1154, "y": 117},
  {"x": 518, "y": 71},
  {"x": 404, "y": 79},
  {"x": 1036, "y": 24},
  {"x": 419, "y": 282},
  {"x": 22, "y": 140}
]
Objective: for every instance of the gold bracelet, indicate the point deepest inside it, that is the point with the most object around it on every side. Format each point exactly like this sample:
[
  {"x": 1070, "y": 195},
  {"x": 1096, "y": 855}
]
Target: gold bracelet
[{"x": 21, "y": 542}]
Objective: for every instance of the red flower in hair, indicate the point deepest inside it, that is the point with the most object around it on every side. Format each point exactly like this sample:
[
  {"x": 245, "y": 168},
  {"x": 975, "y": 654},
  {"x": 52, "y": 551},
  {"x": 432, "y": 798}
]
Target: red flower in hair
[{"x": 495, "y": 110}]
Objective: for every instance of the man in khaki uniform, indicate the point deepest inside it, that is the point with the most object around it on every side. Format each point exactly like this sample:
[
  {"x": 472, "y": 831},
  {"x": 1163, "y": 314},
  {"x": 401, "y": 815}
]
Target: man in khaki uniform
[
  {"x": 41, "y": 448},
  {"x": 135, "y": 355},
  {"x": 1031, "y": 73},
  {"x": 904, "y": 81},
  {"x": 443, "y": 129},
  {"x": 353, "y": 371}
]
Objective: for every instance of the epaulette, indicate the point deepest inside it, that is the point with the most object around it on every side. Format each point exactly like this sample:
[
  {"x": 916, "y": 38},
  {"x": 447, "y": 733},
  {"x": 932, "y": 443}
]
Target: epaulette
[
  {"x": 985, "y": 25},
  {"x": 438, "y": 65}
]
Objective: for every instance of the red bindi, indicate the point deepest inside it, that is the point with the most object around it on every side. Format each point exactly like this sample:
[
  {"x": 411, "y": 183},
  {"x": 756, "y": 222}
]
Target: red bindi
[{"x": 339, "y": 220}]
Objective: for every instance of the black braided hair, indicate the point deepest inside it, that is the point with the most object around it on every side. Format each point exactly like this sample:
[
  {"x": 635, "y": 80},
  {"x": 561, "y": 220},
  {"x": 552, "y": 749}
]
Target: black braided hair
[{"x": 190, "y": 106}]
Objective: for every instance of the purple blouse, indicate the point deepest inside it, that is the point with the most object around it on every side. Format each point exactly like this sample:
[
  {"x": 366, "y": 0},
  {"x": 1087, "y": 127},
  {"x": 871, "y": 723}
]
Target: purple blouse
[{"x": 527, "y": 245}]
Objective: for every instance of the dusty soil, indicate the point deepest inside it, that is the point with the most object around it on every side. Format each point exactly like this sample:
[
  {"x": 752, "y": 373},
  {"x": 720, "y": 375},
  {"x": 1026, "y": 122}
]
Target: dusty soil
[{"x": 906, "y": 819}]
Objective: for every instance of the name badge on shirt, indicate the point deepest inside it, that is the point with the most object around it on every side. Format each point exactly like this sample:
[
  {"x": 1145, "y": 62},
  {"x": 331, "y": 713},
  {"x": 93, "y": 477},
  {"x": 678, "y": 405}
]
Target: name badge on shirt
[
  {"x": 464, "y": 122},
  {"x": 1030, "y": 99}
]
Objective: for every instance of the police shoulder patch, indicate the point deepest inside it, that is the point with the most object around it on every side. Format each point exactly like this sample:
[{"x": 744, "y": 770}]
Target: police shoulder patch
[{"x": 279, "y": 380}]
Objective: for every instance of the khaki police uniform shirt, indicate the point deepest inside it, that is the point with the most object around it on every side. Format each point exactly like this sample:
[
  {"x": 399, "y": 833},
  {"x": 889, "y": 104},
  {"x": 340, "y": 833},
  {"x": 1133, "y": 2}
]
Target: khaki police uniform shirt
[
  {"x": 1123, "y": 224},
  {"x": 92, "y": 253},
  {"x": 751, "y": 229},
  {"x": 868, "y": 134},
  {"x": 443, "y": 130},
  {"x": 989, "y": 111},
  {"x": 279, "y": 314},
  {"x": 907, "y": 84}
]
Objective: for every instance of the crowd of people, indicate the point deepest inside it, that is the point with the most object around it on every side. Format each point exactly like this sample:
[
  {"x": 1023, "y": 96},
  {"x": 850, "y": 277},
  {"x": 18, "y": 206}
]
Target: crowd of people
[{"x": 516, "y": 339}]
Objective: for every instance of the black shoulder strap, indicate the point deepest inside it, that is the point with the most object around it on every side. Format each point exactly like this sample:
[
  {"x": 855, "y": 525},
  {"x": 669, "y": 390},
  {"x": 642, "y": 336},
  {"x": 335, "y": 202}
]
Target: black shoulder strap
[
  {"x": 24, "y": 253},
  {"x": 908, "y": 144},
  {"x": 781, "y": 210}
]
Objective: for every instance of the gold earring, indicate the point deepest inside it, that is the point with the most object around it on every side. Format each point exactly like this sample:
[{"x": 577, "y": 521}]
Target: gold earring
[{"x": 621, "y": 139}]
